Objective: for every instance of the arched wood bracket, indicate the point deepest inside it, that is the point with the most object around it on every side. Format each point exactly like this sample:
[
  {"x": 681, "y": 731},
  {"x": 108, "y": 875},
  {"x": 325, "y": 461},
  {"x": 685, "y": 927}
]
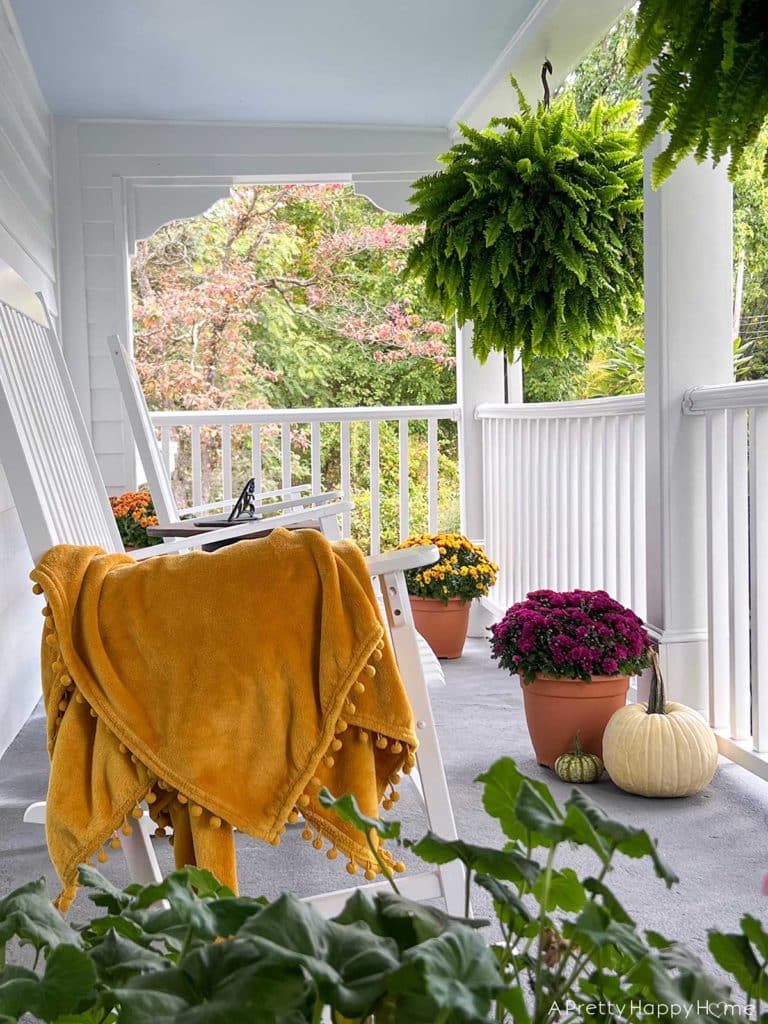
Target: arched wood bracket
[
  {"x": 153, "y": 202},
  {"x": 389, "y": 192}
]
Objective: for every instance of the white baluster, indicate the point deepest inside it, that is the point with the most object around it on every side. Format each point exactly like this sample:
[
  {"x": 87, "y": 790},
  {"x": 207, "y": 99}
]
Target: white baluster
[
  {"x": 226, "y": 462},
  {"x": 403, "y": 477},
  {"x": 718, "y": 572},
  {"x": 197, "y": 476},
  {"x": 375, "y": 488},
  {"x": 285, "y": 454},
  {"x": 314, "y": 456},
  {"x": 346, "y": 476},
  {"x": 256, "y": 456},
  {"x": 738, "y": 573},
  {"x": 432, "y": 474},
  {"x": 758, "y": 493}
]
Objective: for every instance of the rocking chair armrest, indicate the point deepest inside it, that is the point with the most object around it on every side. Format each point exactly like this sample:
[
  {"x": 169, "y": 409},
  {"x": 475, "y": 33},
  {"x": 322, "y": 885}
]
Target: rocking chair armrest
[
  {"x": 285, "y": 495},
  {"x": 239, "y": 530},
  {"x": 402, "y": 559}
]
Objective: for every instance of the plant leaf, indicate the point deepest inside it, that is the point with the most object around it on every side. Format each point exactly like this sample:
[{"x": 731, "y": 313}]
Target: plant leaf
[
  {"x": 455, "y": 972},
  {"x": 29, "y": 914},
  {"x": 507, "y": 864},
  {"x": 348, "y": 963},
  {"x": 347, "y": 809}
]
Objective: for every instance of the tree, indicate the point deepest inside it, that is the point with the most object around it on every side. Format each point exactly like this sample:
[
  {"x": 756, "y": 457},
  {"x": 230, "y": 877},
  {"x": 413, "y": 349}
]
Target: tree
[
  {"x": 291, "y": 296},
  {"x": 602, "y": 74},
  {"x": 250, "y": 303}
]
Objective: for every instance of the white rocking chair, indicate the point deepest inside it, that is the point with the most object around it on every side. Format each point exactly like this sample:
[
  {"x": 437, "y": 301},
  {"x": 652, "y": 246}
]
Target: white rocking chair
[
  {"x": 319, "y": 508},
  {"x": 55, "y": 481}
]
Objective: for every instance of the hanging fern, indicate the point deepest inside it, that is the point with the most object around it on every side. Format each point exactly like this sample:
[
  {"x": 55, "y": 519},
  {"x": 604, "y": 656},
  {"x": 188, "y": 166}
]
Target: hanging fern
[
  {"x": 534, "y": 229},
  {"x": 709, "y": 86}
]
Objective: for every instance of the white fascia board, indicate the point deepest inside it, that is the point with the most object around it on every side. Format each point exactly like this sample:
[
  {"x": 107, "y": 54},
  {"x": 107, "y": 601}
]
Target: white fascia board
[{"x": 561, "y": 30}]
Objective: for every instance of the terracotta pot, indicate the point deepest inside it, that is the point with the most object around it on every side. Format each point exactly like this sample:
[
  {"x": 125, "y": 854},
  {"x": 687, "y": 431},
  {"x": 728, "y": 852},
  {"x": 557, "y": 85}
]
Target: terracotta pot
[
  {"x": 557, "y": 709},
  {"x": 444, "y": 627}
]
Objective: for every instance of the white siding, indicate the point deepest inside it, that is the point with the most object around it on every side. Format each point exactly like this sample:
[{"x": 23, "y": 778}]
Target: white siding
[
  {"x": 120, "y": 180},
  {"x": 27, "y": 234}
]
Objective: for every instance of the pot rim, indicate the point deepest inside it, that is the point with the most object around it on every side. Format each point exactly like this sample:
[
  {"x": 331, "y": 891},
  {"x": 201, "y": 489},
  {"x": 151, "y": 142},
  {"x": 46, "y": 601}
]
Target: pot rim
[
  {"x": 575, "y": 679},
  {"x": 437, "y": 601}
]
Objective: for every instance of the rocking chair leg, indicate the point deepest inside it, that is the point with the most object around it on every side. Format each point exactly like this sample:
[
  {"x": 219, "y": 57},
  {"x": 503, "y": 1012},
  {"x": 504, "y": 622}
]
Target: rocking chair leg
[
  {"x": 142, "y": 862},
  {"x": 137, "y": 847},
  {"x": 433, "y": 783}
]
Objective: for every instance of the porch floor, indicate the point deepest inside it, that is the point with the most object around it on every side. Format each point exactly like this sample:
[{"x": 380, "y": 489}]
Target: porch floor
[{"x": 716, "y": 841}]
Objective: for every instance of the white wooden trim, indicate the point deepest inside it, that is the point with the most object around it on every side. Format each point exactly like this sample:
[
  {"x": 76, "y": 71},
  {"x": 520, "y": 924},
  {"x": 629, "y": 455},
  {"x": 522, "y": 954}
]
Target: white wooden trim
[
  {"x": 349, "y": 414},
  {"x": 622, "y": 405},
  {"x": 743, "y": 395}
]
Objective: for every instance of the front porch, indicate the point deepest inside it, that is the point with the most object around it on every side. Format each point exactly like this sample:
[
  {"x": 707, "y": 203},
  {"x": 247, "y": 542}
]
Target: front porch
[
  {"x": 660, "y": 498},
  {"x": 714, "y": 841}
]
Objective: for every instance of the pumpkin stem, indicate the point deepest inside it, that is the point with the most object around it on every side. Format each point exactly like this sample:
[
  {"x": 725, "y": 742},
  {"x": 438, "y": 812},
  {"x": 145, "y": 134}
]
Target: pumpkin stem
[
  {"x": 577, "y": 744},
  {"x": 656, "y": 696}
]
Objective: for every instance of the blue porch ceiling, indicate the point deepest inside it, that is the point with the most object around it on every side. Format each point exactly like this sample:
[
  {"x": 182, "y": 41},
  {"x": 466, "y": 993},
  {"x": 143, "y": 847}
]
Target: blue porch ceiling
[{"x": 392, "y": 62}]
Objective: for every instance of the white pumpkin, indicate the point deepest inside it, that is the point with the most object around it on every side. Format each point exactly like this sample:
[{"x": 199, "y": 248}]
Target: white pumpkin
[{"x": 661, "y": 748}]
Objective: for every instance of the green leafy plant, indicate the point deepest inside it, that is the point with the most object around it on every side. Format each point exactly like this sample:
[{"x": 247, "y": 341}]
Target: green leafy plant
[
  {"x": 187, "y": 951},
  {"x": 534, "y": 229},
  {"x": 709, "y": 86}
]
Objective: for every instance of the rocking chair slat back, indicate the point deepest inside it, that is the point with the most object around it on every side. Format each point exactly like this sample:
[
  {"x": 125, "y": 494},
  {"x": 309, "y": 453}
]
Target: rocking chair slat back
[
  {"x": 141, "y": 426},
  {"x": 45, "y": 449}
]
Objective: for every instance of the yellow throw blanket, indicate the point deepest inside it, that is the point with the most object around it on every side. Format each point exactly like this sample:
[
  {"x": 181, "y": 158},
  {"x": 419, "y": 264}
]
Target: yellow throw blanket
[{"x": 224, "y": 690}]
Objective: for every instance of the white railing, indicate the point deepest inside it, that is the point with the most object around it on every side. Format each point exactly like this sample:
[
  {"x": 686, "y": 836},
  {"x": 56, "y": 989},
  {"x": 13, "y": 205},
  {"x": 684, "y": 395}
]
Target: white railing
[
  {"x": 737, "y": 538},
  {"x": 564, "y": 490},
  {"x": 210, "y": 453}
]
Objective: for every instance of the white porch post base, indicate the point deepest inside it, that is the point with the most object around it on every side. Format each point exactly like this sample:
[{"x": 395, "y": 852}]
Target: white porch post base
[
  {"x": 684, "y": 660},
  {"x": 480, "y": 618},
  {"x": 688, "y": 313}
]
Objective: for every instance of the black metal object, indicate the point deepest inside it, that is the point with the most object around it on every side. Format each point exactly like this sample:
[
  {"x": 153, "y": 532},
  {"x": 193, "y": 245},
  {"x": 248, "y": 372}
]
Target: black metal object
[
  {"x": 546, "y": 67},
  {"x": 244, "y": 507}
]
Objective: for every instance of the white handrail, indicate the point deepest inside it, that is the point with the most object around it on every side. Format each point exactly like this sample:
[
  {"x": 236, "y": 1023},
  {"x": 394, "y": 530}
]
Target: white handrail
[
  {"x": 736, "y": 460},
  {"x": 275, "y": 431},
  {"x": 709, "y": 398},
  {"x": 564, "y": 496},
  {"x": 363, "y": 413},
  {"x": 622, "y": 405}
]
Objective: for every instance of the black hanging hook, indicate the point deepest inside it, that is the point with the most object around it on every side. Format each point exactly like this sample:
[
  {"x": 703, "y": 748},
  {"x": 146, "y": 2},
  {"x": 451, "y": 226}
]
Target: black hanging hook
[{"x": 546, "y": 68}]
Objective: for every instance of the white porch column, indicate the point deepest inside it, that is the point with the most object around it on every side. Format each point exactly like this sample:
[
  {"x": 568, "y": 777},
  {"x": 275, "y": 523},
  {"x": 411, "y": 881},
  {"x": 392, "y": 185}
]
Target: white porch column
[
  {"x": 475, "y": 383},
  {"x": 688, "y": 312}
]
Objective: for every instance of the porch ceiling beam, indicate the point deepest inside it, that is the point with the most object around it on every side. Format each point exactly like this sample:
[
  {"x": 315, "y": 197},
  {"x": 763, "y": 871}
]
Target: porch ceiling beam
[{"x": 562, "y": 30}]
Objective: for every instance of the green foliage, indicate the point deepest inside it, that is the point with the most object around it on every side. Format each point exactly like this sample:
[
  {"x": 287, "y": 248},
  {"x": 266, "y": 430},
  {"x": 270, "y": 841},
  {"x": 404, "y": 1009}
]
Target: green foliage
[
  {"x": 618, "y": 367},
  {"x": 534, "y": 229},
  {"x": 602, "y": 74},
  {"x": 709, "y": 86},
  {"x": 550, "y": 379},
  {"x": 186, "y": 951}
]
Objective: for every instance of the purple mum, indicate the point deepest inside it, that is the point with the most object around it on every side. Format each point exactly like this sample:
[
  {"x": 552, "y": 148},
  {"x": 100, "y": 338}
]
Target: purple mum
[{"x": 577, "y": 634}]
